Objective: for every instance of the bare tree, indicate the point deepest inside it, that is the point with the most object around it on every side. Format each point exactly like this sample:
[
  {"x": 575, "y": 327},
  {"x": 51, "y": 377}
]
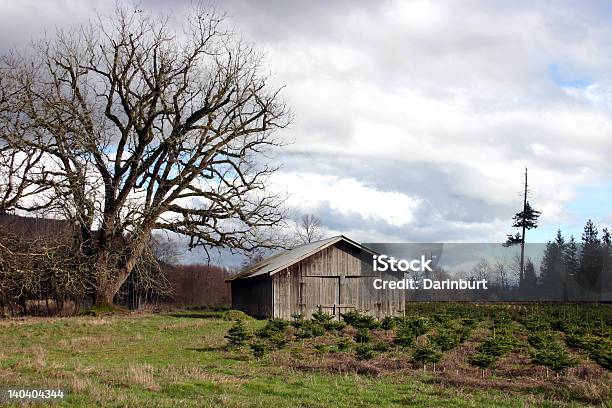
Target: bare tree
[
  {"x": 38, "y": 264},
  {"x": 252, "y": 259},
  {"x": 22, "y": 174},
  {"x": 144, "y": 128},
  {"x": 309, "y": 229},
  {"x": 164, "y": 250},
  {"x": 501, "y": 272},
  {"x": 516, "y": 268},
  {"x": 480, "y": 271}
]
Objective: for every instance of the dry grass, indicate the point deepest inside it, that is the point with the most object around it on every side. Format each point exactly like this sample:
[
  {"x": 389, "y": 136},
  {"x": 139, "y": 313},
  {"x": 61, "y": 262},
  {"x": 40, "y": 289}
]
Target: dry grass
[
  {"x": 90, "y": 321},
  {"x": 338, "y": 363},
  {"x": 143, "y": 375},
  {"x": 82, "y": 342},
  {"x": 37, "y": 358},
  {"x": 80, "y": 320}
]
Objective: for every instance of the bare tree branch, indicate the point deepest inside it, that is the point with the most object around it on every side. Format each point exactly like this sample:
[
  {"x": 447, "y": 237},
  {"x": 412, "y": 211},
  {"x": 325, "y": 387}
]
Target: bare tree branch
[
  {"x": 309, "y": 229},
  {"x": 141, "y": 127}
]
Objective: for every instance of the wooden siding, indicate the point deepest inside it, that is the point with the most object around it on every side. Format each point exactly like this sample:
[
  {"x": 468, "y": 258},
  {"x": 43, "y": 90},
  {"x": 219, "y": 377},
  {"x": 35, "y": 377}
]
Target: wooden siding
[
  {"x": 332, "y": 278},
  {"x": 335, "y": 280},
  {"x": 281, "y": 284}
]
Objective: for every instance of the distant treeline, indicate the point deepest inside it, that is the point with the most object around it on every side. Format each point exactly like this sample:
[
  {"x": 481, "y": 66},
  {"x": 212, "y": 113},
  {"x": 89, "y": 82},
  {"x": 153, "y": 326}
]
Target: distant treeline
[
  {"x": 569, "y": 271},
  {"x": 575, "y": 272},
  {"x": 188, "y": 285},
  {"x": 199, "y": 284}
]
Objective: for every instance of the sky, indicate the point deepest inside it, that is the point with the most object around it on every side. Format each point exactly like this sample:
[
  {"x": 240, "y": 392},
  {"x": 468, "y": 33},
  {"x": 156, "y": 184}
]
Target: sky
[{"x": 414, "y": 120}]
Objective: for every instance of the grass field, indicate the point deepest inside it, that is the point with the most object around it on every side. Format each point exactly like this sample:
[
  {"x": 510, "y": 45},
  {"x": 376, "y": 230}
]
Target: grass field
[{"x": 181, "y": 359}]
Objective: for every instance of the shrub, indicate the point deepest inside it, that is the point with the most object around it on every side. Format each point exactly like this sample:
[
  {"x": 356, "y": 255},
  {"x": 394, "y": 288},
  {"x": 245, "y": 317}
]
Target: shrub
[
  {"x": 336, "y": 325},
  {"x": 542, "y": 339},
  {"x": 502, "y": 320},
  {"x": 278, "y": 325},
  {"x": 350, "y": 317},
  {"x": 382, "y": 347},
  {"x": 426, "y": 354},
  {"x": 468, "y": 322},
  {"x": 364, "y": 352},
  {"x": 344, "y": 344},
  {"x": 602, "y": 355},
  {"x": 298, "y": 320},
  {"x": 272, "y": 327},
  {"x": 536, "y": 325},
  {"x": 482, "y": 360},
  {"x": 309, "y": 329},
  {"x": 464, "y": 333},
  {"x": 388, "y": 323},
  {"x": 418, "y": 326},
  {"x": 598, "y": 348},
  {"x": 490, "y": 350},
  {"x": 553, "y": 356},
  {"x": 561, "y": 325},
  {"x": 442, "y": 318},
  {"x": 504, "y": 330},
  {"x": 496, "y": 346},
  {"x": 322, "y": 317},
  {"x": 583, "y": 341},
  {"x": 404, "y": 336},
  {"x": 278, "y": 340},
  {"x": 359, "y": 320},
  {"x": 237, "y": 335},
  {"x": 258, "y": 348},
  {"x": 363, "y": 336},
  {"x": 445, "y": 339}
]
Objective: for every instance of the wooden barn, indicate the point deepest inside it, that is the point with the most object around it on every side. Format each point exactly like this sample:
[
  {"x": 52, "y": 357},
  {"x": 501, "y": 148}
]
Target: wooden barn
[{"x": 334, "y": 275}]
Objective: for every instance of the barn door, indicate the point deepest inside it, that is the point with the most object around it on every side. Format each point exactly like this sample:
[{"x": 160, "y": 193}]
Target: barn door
[
  {"x": 320, "y": 292},
  {"x": 338, "y": 294},
  {"x": 356, "y": 293}
]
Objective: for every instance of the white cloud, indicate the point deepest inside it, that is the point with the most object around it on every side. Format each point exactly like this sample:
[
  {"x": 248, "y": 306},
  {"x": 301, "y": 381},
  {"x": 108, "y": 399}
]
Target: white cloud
[
  {"x": 461, "y": 95},
  {"x": 346, "y": 196}
]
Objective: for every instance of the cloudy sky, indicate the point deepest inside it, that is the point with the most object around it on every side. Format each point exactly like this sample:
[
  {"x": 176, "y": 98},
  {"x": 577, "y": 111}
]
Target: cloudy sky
[{"x": 414, "y": 120}]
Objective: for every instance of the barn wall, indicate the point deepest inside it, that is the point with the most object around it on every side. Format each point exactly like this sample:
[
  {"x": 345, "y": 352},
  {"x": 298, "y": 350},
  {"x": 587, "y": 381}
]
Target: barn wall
[
  {"x": 253, "y": 296},
  {"x": 333, "y": 278},
  {"x": 282, "y": 299}
]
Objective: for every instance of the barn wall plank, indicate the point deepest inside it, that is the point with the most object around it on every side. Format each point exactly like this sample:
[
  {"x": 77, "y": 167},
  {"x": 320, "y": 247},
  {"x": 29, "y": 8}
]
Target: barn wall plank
[{"x": 282, "y": 294}]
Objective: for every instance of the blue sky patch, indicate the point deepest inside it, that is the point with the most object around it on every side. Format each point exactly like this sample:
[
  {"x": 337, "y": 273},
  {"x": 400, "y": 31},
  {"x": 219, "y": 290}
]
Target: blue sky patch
[{"x": 567, "y": 78}]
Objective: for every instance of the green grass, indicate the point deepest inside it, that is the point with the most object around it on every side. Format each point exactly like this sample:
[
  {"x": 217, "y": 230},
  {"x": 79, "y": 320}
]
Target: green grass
[{"x": 180, "y": 359}]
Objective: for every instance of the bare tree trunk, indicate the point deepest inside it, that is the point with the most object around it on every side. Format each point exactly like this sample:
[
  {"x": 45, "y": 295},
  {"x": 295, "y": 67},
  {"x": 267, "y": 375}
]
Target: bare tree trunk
[
  {"x": 522, "y": 275},
  {"x": 104, "y": 296},
  {"x": 108, "y": 285}
]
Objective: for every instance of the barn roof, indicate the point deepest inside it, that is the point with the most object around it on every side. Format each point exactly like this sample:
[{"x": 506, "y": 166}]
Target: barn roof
[{"x": 287, "y": 258}]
